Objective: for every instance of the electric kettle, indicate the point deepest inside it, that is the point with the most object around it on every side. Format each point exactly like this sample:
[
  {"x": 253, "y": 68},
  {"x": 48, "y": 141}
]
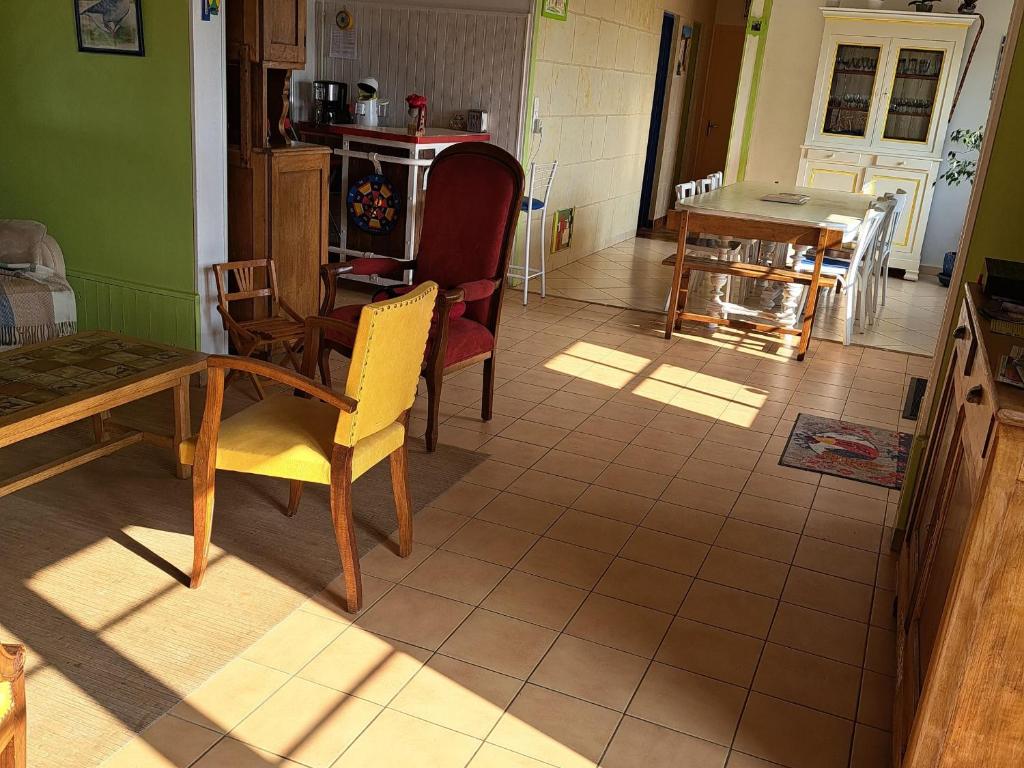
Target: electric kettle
[{"x": 368, "y": 109}]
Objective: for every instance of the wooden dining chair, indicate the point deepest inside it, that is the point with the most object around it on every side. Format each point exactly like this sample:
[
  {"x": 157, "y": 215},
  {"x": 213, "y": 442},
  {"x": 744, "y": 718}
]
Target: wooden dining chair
[
  {"x": 256, "y": 280},
  {"x": 13, "y": 740},
  {"x": 318, "y": 435}
]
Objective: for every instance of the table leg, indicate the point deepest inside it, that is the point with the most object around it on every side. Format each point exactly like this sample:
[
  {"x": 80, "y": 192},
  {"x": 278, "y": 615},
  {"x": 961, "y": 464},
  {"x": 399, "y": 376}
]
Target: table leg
[
  {"x": 677, "y": 277},
  {"x": 182, "y": 424},
  {"x": 99, "y": 426},
  {"x": 812, "y": 295}
]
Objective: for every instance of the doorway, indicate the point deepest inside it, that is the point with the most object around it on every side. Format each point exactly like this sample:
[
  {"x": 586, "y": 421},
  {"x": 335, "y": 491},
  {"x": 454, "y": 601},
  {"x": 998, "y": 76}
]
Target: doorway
[
  {"x": 654, "y": 143},
  {"x": 715, "y": 121}
]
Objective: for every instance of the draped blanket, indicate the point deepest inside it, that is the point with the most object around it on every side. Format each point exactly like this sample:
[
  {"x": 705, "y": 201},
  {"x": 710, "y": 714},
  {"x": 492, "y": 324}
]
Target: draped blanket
[{"x": 36, "y": 304}]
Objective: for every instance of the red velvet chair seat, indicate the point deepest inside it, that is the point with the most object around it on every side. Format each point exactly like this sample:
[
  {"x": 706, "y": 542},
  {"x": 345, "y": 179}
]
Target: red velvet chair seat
[{"x": 466, "y": 338}]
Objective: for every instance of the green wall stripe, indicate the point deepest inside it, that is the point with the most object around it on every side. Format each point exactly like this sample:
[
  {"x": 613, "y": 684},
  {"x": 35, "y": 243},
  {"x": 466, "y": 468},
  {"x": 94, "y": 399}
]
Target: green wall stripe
[{"x": 755, "y": 87}]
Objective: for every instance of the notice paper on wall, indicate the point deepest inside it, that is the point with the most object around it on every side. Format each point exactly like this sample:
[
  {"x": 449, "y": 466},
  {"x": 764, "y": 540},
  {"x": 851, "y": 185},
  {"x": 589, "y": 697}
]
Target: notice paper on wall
[{"x": 343, "y": 44}]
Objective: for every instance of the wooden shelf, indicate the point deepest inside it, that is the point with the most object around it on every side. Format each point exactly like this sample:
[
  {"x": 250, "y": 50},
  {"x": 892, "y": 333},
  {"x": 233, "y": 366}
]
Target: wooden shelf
[{"x": 871, "y": 72}]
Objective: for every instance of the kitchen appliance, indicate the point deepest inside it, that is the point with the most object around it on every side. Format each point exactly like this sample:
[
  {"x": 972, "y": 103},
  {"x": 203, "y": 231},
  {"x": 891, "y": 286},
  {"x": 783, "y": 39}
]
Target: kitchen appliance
[
  {"x": 476, "y": 121},
  {"x": 330, "y": 103},
  {"x": 369, "y": 108}
]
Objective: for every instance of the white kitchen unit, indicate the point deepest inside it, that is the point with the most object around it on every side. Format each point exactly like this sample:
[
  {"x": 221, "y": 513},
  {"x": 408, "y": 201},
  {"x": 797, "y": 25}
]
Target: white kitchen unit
[{"x": 882, "y": 97}]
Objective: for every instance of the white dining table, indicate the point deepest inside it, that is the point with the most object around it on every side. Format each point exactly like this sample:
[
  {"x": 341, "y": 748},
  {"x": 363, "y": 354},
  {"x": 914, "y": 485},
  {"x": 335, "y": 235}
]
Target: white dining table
[{"x": 824, "y": 222}]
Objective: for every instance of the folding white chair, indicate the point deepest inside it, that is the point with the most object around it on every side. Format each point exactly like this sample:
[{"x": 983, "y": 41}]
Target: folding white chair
[{"x": 538, "y": 191}]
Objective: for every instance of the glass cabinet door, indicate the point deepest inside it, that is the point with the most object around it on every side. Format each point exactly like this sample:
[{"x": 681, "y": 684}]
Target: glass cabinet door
[
  {"x": 915, "y": 90},
  {"x": 850, "y": 93}
]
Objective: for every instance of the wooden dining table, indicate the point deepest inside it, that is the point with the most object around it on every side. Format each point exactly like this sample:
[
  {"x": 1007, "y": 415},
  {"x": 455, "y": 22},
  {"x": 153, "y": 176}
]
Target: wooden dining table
[{"x": 737, "y": 211}]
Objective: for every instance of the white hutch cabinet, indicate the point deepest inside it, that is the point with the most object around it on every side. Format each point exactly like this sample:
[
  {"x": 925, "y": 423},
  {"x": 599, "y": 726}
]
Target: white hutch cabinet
[{"x": 884, "y": 88}]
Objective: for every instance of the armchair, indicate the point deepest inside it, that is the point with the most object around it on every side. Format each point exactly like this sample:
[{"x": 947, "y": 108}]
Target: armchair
[
  {"x": 318, "y": 435},
  {"x": 469, "y": 220},
  {"x": 12, "y": 706}
]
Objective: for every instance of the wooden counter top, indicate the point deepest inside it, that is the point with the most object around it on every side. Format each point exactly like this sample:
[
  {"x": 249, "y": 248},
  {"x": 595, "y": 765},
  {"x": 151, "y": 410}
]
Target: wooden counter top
[{"x": 384, "y": 133}]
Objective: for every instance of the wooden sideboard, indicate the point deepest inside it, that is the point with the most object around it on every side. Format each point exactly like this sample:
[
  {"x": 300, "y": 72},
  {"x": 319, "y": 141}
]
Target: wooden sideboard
[{"x": 960, "y": 584}]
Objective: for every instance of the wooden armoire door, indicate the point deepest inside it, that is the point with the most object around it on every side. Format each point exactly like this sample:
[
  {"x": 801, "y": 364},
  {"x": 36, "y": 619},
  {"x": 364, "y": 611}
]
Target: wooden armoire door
[{"x": 284, "y": 31}]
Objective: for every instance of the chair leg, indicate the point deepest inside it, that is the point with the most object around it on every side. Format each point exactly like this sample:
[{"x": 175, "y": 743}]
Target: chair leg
[
  {"x": 434, "y": 380},
  {"x": 294, "y": 497},
  {"x": 851, "y": 303},
  {"x": 526, "y": 257},
  {"x": 487, "y": 402},
  {"x": 203, "y": 488},
  {"x": 344, "y": 527},
  {"x": 543, "y": 251},
  {"x": 400, "y": 486},
  {"x": 325, "y": 366},
  {"x": 260, "y": 394}
]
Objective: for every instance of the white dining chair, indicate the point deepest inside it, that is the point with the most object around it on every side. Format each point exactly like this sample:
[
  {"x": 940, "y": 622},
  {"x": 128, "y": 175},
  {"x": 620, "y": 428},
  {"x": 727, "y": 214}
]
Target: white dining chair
[
  {"x": 885, "y": 245},
  {"x": 855, "y": 275},
  {"x": 685, "y": 190},
  {"x": 705, "y": 185},
  {"x": 538, "y": 191},
  {"x": 717, "y": 179}
]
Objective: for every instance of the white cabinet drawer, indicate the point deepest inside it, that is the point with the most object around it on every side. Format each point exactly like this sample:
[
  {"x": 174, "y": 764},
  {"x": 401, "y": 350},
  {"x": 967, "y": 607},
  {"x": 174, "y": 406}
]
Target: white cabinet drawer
[
  {"x": 895, "y": 161},
  {"x": 834, "y": 156}
]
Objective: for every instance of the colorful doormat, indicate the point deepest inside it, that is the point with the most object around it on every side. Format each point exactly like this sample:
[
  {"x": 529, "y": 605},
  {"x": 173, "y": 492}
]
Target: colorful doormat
[{"x": 854, "y": 451}]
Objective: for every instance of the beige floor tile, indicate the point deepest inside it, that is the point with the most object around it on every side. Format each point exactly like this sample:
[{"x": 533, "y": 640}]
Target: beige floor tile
[
  {"x": 494, "y": 543},
  {"x": 535, "y": 433},
  {"x": 650, "y": 459},
  {"x": 858, "y": 507},
  {"x": 875, "y": 707},
  {"x": 843, "y": 530},
  {"x": 706, "y": 498},
  {"x": 758, "y": 540},
  {"x": 644, "y": 584},
  {"x": 713, "y": 473},
  {"x": 545, "y": 487},
  {"x": 229, "y": 753},
  {"x": 882, "y": 612},
  {"x": 457, "y": 695},
  {"x": 571, "y": 465},
  {"x": 168, "y": 743},
  {"x": 836, "y": 559},
  {"x": 384, "y": 562},
  {"x": 610, "y": 429},
  {"x": 830, "y": 594},
  {"x": 617, "y": 624},
  {"x": 666, "y": 551},
  {"x": 513, "y": 451},
  {"x": 740, "y": 760},
  {"x": 456, "y": 576},
  {"x": 538, "y": 601},
  {"x": 307, "y": 723},
  {"x": 591, "y": 446},
  {"x": 464, "y": 499},
  {"x": 881, "y": 651},
  {"x": 743, "y": 571},
  {"x": 521, "y": 512},
  {"x": 558, "y": 417},
  {"x": 812, "y": 681},
  {"x": 415, "y": 617},
  {"x": 627, "y": 507},
  {"x": 592, "y": 672},
  {"x": 639, "y": 743},
  {"x": 396, "y": 740},
  {"x": 711, "y": 651},
  {"x": 729, "y": 608},
  {"x": 292, "y": 643},
  {"x": 223, "y": 701},
  {"x": 683, "y": 521},
  {"x": 819, "y": 633},
  {"x": 494, "y": 474},
  {"x": 566, "y": 563},
  {"x": 779, "y": 489},
  {"x": 590, "y": 531},
  {"x": 681, "y": 445},
  {"x": 433, "y": 526},
  {"x": 872, "y": 747},
  {"x": 572, "y": 400},
  {"x": 773, "y": 514},
  {"x": 737, "y": 437},
  {"x": 792, "y": 735},
  {"x": 330, "y": 602},
  {"x": 555, "y": 728},
  {"x": 700, "y": 706},
  {"x": 632, "y": 480},
  {"x": 366, "y": 665},
  {"x": 491, "y": 756},
  {"x": 499, "y": 643}
]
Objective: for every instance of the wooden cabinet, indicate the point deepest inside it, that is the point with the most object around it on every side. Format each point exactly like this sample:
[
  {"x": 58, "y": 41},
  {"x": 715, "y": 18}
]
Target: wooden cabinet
[
  {"x": 960, "y": 581},
  {"x": 883, "y": 92},
  {"x": 271, "y": 32}
]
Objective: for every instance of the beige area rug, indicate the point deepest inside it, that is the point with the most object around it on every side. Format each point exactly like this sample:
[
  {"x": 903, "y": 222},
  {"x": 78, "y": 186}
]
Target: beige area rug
[{"x": 92, "y": 577}]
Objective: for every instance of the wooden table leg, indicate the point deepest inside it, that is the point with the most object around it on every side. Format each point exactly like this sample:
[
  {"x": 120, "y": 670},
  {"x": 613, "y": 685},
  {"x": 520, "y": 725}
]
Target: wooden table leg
[
  {"x": 812, "y": 295},
  {"x": 182, "y": 424},
  {"x": 99, "y": 426},
  {"x": 677, "y": 277}
]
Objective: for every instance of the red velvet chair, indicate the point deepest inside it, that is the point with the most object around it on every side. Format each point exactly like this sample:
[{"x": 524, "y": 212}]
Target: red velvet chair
[{"x": 473, "y": 201}]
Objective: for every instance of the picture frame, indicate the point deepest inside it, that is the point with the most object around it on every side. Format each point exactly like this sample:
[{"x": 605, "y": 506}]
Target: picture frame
[
  {"x": 555, "y": 9},
  {"x": 561, "y": 229},
  {"x": 109, "y": 26}
]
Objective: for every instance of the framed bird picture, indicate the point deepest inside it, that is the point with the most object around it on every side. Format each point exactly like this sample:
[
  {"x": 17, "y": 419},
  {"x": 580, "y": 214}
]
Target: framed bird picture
[{"x": 109, "y": 26}]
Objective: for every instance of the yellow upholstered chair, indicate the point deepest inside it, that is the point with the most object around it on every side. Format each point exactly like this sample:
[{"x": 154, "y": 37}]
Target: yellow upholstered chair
[
  {"x": 318, "y": 435},
  {"x": 12, "y": 706}
]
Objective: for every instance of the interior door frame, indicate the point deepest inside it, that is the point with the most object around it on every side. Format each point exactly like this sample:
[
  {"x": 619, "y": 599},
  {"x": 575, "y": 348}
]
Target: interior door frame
[{"x": 655, "y": 135}]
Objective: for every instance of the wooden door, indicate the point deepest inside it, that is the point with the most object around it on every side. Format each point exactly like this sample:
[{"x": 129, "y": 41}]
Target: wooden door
[
  {"x": 715, "y": 123},
  {"x": 298, "y": 223},
  {"x": 284, "y": 32}
]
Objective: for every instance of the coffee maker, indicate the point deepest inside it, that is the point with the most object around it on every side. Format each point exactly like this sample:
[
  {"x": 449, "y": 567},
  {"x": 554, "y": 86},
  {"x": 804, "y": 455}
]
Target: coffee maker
[{"x": 330, "y": 103}]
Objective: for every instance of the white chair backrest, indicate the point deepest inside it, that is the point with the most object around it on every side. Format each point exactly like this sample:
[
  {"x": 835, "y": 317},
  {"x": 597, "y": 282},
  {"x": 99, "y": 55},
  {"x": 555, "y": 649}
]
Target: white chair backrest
[
  {"x": 870, "y": 230},
  {"x": 716, "y": 178},
  {"x": 685, "y": 190},
  {"x": 540, "y": 180},
  {"x": 706, "y": 185}
]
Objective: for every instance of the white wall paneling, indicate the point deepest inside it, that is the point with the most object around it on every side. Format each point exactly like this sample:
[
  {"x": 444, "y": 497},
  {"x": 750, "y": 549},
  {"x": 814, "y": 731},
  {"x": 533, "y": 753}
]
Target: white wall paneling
[{"x": 458, "y": 59}]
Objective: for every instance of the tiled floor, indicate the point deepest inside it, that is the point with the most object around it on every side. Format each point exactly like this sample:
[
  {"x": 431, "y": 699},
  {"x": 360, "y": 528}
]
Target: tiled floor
[
  {"x": 630, "y": 579},
  {"x": 631, "y": 275}
]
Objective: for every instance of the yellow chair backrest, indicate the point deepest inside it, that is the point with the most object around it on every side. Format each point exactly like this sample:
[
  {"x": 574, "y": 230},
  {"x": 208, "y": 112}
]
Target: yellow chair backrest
[{"x": 386, "y": 362}]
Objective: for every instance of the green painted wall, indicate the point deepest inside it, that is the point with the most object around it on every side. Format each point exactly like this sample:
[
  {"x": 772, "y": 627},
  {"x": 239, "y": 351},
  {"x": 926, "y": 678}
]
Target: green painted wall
[{"x": 99, "y": 148}]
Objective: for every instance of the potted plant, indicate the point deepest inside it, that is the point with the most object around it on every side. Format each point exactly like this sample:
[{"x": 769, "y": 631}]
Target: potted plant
[
  {"x": 922, "y": 6},
  {"x": 961, "y": 166}
]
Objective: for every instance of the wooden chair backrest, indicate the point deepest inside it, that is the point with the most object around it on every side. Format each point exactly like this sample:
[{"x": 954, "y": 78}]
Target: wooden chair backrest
[{"x": 246, "y": 277}]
